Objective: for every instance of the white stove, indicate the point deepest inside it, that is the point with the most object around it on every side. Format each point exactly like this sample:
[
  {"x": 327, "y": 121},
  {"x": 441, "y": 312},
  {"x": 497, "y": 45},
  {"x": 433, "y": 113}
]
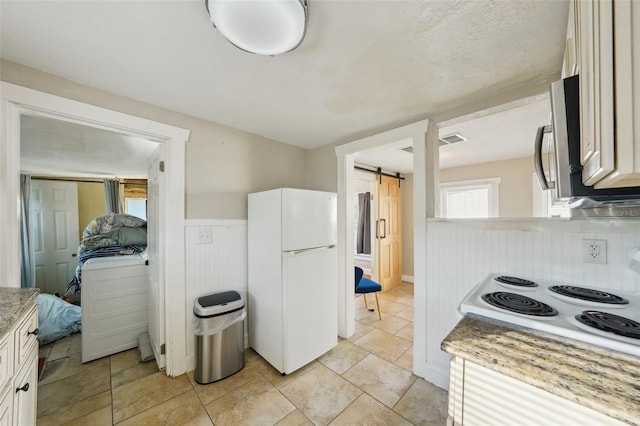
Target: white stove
[{"x": 606, "y": 318}]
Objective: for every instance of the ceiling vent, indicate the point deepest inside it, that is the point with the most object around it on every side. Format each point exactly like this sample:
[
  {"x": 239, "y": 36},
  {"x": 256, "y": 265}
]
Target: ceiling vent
[
  {"x": 451, "y": 139},
  {"x": 408, "y": 149}
]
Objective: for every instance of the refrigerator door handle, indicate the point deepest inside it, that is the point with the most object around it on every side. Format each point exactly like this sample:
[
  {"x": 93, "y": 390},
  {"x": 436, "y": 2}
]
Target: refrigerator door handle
[{"x": 310, "y": 250}]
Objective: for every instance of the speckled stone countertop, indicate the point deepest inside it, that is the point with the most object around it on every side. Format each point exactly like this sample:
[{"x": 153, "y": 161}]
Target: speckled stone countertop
[
  {"x": 605, "y": 381},
  {"x": 13, "y": 303}
]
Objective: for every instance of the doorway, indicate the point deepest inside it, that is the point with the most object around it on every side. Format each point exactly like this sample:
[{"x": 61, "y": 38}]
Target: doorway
[
  {"x": 414, "y": 135},
  {"x": 19, "y": 101}
]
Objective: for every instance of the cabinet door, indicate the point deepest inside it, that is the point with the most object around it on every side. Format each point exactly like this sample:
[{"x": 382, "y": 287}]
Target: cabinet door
[
  {"x": 570, "y": 60},
  {"x": 627, "y": 101},
  {"x": 6, "y": 403},
  {"x": 26, "y": 389},
  {"x": 595, "y": 35}
]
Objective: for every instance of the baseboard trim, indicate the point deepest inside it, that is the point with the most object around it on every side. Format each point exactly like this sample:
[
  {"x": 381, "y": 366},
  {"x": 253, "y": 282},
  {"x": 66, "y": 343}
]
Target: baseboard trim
[{"x": 407, "y": 278}]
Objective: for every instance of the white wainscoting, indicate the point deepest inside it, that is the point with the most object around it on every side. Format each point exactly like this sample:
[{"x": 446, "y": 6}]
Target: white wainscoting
[
  {"x": 214, "y": 267},
  {"x": 461, "y": 254}
]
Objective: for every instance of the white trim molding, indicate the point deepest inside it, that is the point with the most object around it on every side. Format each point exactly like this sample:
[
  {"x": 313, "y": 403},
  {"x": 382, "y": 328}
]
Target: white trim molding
[
  {"x": 402, "y": 136},
  {"x": 17, "y": 101},
  {"x": 407, "y": 278}
]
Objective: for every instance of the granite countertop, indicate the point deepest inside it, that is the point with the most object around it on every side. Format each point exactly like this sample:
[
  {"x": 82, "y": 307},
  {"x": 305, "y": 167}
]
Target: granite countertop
[
  {"x": 13, "y": 303},
  {"x": 605, "y": 381}
]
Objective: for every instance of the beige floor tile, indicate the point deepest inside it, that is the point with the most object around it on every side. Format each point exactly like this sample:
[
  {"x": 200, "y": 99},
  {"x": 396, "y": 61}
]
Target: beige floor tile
[
  {"x": 406, "y": 300},
  {"x": 71, "y": 390},
  {"x": 255, "y": 403},
  {"x": 296, "y": 418},
  {"x": 184, "y": 409},
  {"x": 367, "y": 411},
  {"x": 101, "y": 417},
  {"x": 390, "y": 307},
  {"x": 406, "y": 360},
  {"x": 342, "y": 357},
  {"x": 360, "y": 331},
  {"x": 406, "y": 313},
  {"x": 392, "y": 295},
  {"x": 123, "y": 360},
  {"x": 321, "y": 394},
  {"x": 383, "y": 344},
  {"x": 390, "y": 324},
  {"x": 212, "y": 391},
  {"x": 406, "y": 332},
  {"x": 68, "y": 366},
  {"x": 138, "y": 371},
  {"x": 135, "y": 397},
  {"x": 423, "y": 404},
  {"x": 381, "y": 379},
  {"x": 363, "y": 315},
  {"x": 68, "y": 346},
  {"x": 65, "y": 414},
  {"x": 277, "y": 379}
]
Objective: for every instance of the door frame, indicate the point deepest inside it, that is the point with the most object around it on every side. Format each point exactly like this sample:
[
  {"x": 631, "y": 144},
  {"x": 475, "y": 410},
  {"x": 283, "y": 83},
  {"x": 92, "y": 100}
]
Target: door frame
[
  {"x": 17, "y": 100},
  {"x": 414, "y": 133}
]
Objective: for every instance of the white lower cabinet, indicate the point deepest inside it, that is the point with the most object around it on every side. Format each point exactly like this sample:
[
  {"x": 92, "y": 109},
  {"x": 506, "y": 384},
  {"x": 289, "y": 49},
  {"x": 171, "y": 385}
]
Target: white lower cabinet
[
  {"x": 25, "y": 387},
  {"x": 19, "y": 372},
  {"x": 480, "y": 396},
  {"x": 6, "y": 407}
]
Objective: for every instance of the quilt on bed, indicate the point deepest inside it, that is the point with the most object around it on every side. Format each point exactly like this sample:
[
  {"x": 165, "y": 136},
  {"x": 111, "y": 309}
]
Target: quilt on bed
[{"x": 108, "y": 235}]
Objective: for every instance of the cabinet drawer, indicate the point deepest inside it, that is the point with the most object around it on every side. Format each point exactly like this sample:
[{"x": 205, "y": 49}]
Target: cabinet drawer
[
  {"x": 6, "y": 361},
  {"x": 26, "y": 335}
]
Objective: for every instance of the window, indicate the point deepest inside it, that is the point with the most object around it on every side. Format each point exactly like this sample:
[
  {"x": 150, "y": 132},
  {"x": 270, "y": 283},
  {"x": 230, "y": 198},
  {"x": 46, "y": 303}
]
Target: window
[
  {"x": 470, "y": 199},
  {"x": 136, "y": 207}
]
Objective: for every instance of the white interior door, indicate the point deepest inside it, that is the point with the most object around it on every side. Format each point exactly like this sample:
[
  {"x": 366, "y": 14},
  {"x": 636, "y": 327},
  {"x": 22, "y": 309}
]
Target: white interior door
[
  {"x": 155, "y": 251},
  {"x": 55, "y": 234}
]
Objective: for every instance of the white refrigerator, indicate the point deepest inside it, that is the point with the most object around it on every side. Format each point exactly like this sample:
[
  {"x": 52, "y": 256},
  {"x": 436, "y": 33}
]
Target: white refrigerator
[{"x": 292, "y": 298}]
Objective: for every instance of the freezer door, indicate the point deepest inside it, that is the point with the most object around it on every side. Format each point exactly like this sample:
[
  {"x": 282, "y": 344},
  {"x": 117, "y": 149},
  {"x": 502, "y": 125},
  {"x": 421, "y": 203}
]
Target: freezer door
[
  {"x": 309, "y": 219},
  {"x": 310, "y": 305}
]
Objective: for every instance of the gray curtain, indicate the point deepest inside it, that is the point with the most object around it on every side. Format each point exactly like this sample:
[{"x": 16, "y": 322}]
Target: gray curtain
[
  {"x": 112, "y": 196},
  {"x": 28, "y": 268},
  {"x": 364, "y": 223}
]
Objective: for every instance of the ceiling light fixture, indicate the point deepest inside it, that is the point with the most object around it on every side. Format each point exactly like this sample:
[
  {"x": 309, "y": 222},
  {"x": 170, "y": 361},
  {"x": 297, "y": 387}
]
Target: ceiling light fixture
[{"x": 264, "y": 27}]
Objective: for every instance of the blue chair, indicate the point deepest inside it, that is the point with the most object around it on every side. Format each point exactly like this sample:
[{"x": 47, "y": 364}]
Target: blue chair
[{"x": 364, "y": 286}]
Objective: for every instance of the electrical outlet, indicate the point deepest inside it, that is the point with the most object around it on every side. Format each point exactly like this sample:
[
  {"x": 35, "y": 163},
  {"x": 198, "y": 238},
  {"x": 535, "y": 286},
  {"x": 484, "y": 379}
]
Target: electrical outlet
[
  {"x": 204, "y": 236},
  {"x": 594, "y": 251}
]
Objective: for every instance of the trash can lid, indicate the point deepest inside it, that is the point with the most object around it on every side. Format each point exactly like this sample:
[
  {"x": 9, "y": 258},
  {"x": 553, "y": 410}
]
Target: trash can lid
[{"x": 215, "y": 304}]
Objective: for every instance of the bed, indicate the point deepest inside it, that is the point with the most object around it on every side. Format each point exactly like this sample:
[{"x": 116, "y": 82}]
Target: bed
[
  {"x": 111, "y": 284},
  {"x": 114, "y": 304}
]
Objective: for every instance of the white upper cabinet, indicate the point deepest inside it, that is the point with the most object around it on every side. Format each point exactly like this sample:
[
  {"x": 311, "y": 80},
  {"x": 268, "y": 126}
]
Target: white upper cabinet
[{"x": 608, "y": 62}]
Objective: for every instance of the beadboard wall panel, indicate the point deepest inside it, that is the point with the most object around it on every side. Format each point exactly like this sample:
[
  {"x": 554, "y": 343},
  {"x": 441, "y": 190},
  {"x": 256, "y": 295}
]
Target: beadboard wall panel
[
  {"x": 461, "y": 255},
  {"x": 220, "y": 265}
]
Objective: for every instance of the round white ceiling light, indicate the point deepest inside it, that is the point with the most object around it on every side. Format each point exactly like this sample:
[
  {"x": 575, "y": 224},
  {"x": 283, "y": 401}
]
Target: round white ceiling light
[{"x": 264, "y": 27}]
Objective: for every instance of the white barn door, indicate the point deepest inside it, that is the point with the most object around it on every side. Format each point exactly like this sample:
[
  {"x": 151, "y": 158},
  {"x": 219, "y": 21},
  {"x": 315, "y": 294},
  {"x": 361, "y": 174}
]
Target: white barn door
[{"x": 155, "y": 251}]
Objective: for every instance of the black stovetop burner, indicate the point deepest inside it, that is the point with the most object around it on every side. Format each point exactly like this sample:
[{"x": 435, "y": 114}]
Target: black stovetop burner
[
  {"x": 520, "y": 282},
  {"x": 519, "y": 304},
  {"x": 588, "y": 294},
  {"x": 609, "y": 322}
]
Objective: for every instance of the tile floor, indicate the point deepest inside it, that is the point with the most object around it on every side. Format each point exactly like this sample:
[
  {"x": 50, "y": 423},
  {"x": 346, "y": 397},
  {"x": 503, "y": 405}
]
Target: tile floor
[{"x": 364, "y": 380}]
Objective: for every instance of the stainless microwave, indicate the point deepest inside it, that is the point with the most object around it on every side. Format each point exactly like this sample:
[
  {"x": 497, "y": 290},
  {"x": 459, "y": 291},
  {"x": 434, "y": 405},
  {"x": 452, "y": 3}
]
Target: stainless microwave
[{"x": 563, "y": 174}]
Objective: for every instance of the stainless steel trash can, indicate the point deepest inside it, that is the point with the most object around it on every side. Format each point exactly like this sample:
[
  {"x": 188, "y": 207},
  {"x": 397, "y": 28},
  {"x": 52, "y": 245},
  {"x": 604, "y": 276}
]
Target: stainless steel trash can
[{"x": 219, "y": 332}]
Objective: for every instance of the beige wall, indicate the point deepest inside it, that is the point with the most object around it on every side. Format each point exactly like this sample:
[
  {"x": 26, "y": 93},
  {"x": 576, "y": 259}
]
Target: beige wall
[
  {"x": 515, "y": 185},
  {"x": 407, "y": 225},
  {"x": 222, "y": 164},
  {"x": 322, "y": 172},
  {"x": 91, "y": 203}
]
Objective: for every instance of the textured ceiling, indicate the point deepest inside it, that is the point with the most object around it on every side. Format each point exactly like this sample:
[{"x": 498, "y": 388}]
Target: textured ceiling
[{"x": 364, "y": 65}]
